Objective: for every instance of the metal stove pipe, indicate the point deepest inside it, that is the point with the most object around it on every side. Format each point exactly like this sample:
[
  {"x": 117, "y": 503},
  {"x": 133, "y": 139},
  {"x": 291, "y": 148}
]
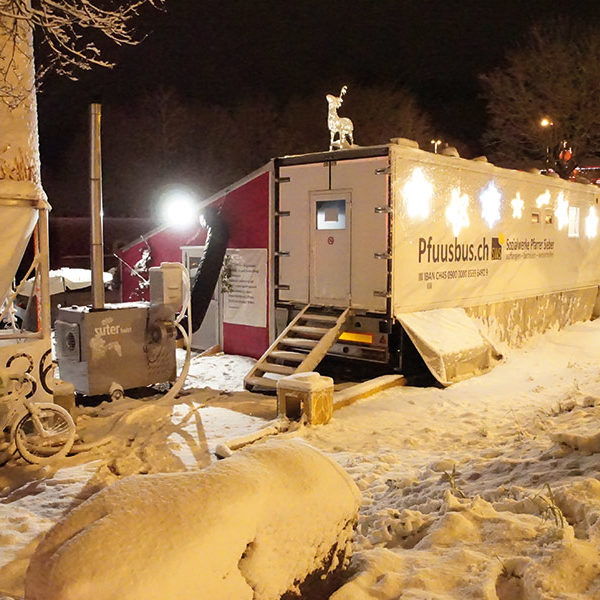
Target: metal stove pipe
[{"x": 96, "y": 242}]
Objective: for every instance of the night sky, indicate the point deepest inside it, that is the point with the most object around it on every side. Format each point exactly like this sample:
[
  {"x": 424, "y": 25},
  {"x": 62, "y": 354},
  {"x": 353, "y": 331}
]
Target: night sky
[{"x": 221, "y": 51}]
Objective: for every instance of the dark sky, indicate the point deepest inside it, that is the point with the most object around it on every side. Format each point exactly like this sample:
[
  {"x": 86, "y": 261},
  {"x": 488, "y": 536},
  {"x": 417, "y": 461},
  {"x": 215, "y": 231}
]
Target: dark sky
[{"x": 224, "y": 50}]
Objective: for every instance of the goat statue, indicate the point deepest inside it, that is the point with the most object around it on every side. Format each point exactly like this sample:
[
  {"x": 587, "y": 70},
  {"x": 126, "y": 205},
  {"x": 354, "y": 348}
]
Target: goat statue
[{"x": 342, "y": 126}]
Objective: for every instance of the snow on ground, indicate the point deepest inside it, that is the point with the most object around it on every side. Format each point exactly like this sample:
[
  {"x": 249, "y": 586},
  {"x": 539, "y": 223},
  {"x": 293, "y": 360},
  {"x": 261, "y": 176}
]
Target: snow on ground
[{"x": 487, "y": 489}]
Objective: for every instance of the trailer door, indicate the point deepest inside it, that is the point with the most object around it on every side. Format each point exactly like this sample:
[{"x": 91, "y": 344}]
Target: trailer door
[{"x": 330, "y": 245}]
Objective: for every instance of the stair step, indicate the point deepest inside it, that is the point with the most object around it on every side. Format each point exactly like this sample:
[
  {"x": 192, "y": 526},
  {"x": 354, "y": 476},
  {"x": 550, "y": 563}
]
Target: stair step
[
  {"x": 263, "y": 382},
  {"x": 316, "y": 332},
  {"x": 268, "y": 367},
  {"x": 322, "y": 318},
  {"x": 297, "y": 357},
  {"x": 298, "y": 342},
  {"x": 310, "y": 331}
]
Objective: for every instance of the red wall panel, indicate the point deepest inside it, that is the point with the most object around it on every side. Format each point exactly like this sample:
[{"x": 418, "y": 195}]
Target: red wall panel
[{"x": 246, "y": 212}]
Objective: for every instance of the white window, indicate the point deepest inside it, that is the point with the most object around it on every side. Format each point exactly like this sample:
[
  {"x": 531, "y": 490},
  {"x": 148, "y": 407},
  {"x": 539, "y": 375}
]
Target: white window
[
  {"x": 574, "y": 221},
  {"x": 331, "y": 214}
]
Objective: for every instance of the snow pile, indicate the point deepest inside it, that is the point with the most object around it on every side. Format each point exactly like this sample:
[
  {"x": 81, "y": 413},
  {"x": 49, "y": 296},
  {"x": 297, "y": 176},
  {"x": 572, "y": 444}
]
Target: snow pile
[
  {"x": 249, "y": 527},
  {"x": 475, "y": 551}
]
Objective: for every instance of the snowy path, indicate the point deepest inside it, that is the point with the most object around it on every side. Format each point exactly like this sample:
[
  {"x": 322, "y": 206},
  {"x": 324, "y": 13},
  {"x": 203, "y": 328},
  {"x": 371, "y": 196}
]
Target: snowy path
[{"x": 454, "y": 482}]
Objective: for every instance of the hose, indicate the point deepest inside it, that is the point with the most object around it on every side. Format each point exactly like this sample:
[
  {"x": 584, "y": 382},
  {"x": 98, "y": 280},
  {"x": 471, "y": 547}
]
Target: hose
[{"x": 210, "y": 266}]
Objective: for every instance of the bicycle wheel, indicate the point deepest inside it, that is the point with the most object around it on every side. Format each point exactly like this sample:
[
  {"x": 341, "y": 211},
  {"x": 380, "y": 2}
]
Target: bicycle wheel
[{"x": 51, "y": 440}]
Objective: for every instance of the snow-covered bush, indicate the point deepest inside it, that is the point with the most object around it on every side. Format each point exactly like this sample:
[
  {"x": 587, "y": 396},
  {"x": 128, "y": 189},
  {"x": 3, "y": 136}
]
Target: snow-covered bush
[{"x": 250, "y": 527}]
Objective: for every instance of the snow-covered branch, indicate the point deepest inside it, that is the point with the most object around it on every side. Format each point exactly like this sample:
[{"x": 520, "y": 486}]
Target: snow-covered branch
[{"x": 69, "y": 29}]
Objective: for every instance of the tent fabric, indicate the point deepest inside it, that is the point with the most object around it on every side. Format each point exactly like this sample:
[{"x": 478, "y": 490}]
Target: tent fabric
[
  {"x": 17, "y": 227},
  {"x": 450, "y": 343}
]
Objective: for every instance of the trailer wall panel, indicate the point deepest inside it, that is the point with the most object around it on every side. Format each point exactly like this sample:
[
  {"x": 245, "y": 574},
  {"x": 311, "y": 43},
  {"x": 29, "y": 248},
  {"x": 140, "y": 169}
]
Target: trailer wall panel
[
  {"x": 369, "y": 229},
  {"x": 294, "y": 197},
  {"x": 493, "y": 257}
]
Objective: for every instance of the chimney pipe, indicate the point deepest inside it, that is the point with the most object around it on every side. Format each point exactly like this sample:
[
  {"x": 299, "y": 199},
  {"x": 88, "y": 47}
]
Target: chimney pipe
[{"x": 97, "y": 242}]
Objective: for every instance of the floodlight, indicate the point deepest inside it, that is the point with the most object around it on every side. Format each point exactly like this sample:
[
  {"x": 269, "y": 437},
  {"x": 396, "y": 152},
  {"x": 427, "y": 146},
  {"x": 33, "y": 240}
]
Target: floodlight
[{"x": 179, "y": 208}]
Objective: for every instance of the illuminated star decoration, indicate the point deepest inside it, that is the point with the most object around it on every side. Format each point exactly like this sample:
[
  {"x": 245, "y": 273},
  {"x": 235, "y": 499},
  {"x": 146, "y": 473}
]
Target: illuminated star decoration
[
  {"x": 517, "y": 206},
  {"x": 543, "y": 199},
  {"x": 490, "y": 199},
  {"x": 591, "y": 223},
  {"x": 456, "y": 211},
  {"x": 562, "y": 211},
  {"x": 417, "y": 193}
]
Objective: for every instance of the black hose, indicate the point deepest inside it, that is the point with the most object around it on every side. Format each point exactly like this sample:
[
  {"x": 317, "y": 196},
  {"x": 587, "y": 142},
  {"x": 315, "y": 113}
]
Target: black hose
[{"x": 209, "y": 269}]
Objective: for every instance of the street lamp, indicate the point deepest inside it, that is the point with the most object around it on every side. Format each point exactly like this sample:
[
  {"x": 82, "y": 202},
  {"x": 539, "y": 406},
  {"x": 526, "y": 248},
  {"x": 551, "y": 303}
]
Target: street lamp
[
  {"x": 435, "y": 144},
  {"x": 546, "y": 123}
]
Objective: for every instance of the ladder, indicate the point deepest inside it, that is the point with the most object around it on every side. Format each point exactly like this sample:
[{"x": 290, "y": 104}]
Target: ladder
[{"x": 300, "y": 347}]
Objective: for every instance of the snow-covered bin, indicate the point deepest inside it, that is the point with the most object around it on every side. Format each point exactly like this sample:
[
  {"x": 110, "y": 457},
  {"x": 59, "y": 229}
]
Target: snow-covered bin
[
  {"x": 249, "y": 527},
  {"x": 308, "y": 393}
]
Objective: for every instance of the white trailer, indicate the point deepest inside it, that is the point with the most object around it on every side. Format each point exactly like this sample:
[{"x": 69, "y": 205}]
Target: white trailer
[{"x": 373, "y": 246}]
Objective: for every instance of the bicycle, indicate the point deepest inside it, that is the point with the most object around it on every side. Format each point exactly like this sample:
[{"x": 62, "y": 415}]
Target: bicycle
[{"x": 40, "y": 431}]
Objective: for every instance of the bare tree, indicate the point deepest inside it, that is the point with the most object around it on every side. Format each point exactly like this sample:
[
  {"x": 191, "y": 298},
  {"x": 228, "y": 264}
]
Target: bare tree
[
  {"x": 71, "y": 31},
  {"x": 556, "y": 75}
]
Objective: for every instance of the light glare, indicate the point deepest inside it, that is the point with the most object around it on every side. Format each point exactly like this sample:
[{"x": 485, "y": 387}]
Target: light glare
[
  {"x": 517, "y": 206},
  {"x": 490, "y": 199},
  {"x": 591, "y": 223},
  {"x": 417, "y": 193},
  {"x": 562, "y": 211},
  {"x": 179, "y": 209},
  {"x": 543, "y": 199},
  {"x": 457, "y": 211}
]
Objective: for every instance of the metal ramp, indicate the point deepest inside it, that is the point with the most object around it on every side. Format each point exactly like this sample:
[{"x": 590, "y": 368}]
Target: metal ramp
[{"x": 300, "y": 347}]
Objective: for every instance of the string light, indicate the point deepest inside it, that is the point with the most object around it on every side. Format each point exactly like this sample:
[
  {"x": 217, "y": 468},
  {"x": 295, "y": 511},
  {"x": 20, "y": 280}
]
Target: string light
[
  {"x": 517, "y": 206},
  {"x": 457, "y": 211},
  {"x": 562, "y": 211},
  {"x": 490, "y": 199},
  {"x": 591, "y": 223},
  {"x": 417, "y": 193}
]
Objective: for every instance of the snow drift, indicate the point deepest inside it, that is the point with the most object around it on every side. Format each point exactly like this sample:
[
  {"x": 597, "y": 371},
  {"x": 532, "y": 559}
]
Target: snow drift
[{"x": 250, "y": 527}]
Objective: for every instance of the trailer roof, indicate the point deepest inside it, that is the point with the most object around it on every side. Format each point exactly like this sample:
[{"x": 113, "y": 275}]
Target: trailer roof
[{"x": 333, "y": 155}]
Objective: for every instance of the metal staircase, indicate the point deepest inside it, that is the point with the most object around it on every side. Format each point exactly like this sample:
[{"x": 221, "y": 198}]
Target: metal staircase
[{"x": 300, "y": 347}]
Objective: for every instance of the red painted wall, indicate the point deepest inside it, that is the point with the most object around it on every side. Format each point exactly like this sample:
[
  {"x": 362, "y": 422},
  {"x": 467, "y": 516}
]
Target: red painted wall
[{"x": 246, "y": 212}]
